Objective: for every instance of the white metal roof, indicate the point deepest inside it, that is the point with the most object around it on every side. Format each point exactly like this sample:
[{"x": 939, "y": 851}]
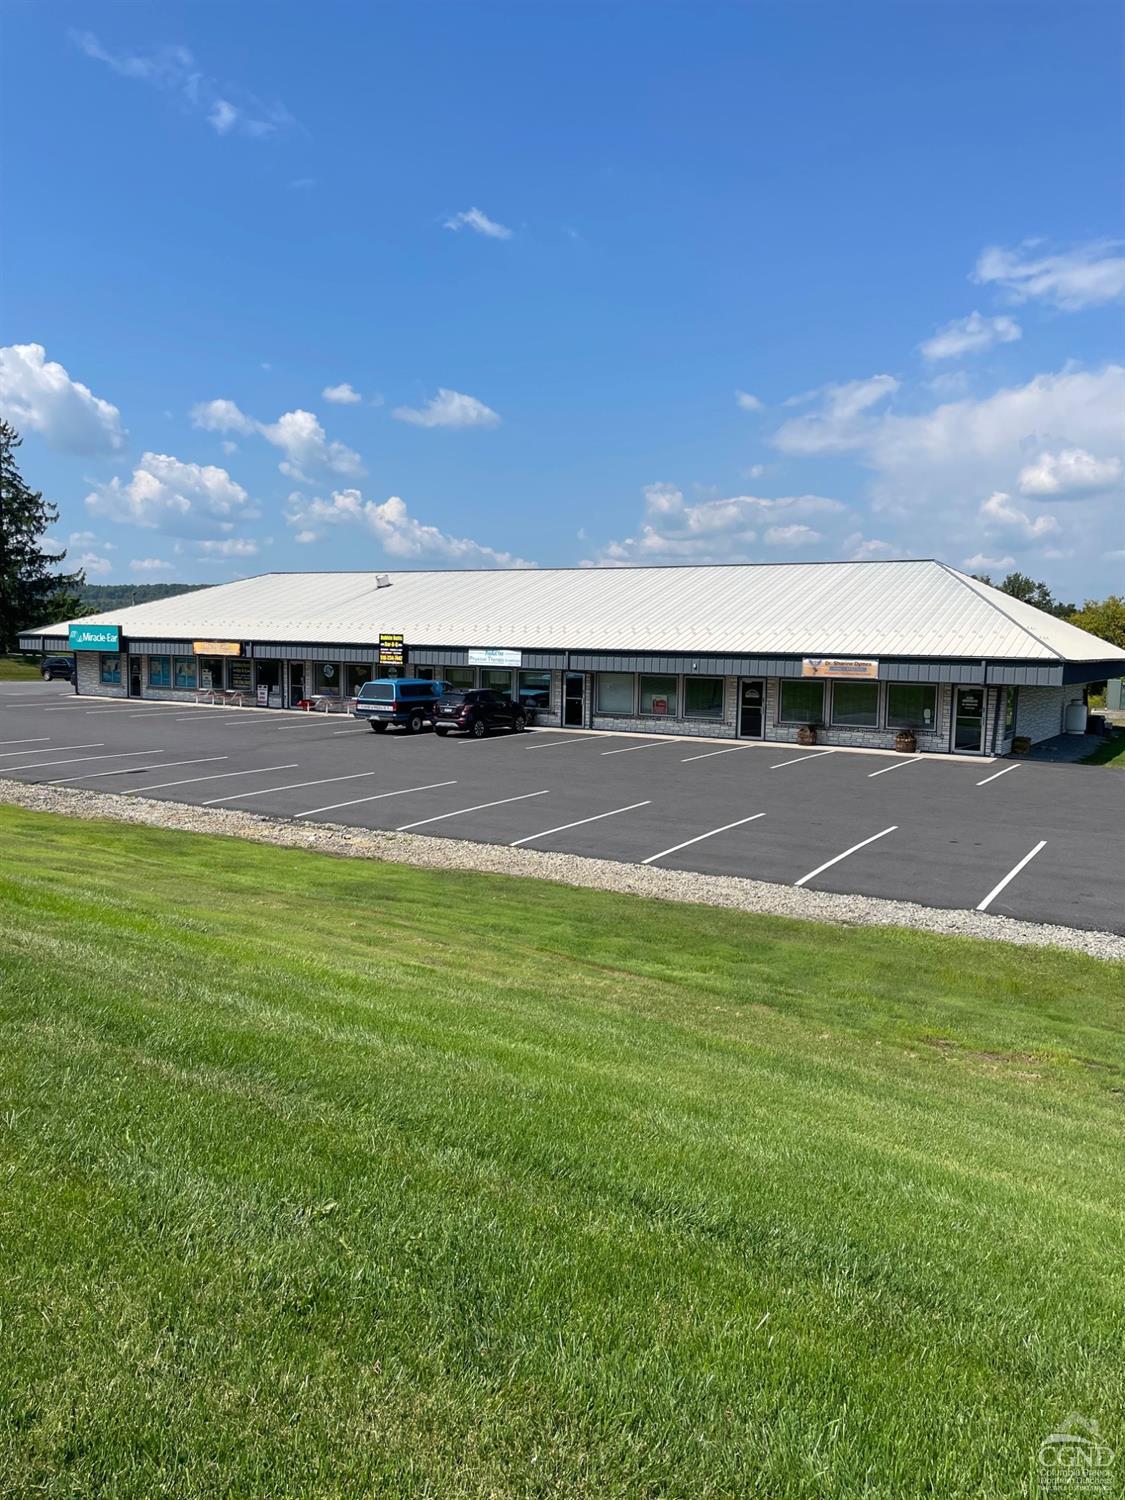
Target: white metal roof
[{"x": 885, "y": 609}]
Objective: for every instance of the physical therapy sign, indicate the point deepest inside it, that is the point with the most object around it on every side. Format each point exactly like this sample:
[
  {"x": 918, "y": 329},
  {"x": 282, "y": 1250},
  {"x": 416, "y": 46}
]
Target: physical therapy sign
[
  {"x": 94, "y": 637},
  {"x": 839, "y": 666},
  {"x": 494, "y": 656}
]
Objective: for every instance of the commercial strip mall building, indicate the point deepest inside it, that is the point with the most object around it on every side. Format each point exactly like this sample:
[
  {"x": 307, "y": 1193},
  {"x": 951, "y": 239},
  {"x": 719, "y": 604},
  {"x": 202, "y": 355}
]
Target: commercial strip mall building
[{"x": 860, "y": 650}]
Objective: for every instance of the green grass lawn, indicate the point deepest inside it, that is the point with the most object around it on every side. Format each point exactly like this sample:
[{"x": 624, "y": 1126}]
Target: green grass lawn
[
  {"x": 1110, "y": 752},
  {"x": 18, "y": 669},
  {"x": 333, "y": 1178}
]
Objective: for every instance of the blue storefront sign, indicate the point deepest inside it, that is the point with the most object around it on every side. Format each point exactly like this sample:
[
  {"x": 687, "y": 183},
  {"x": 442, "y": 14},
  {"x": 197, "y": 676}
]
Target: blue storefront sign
[{"x": 95, "y": 638}]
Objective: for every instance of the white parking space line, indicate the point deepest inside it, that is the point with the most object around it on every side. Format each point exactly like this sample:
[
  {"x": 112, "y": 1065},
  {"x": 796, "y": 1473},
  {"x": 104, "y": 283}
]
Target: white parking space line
[
  {"x": 571, "y": 739},
  {"x": 69, "y": 708},
  {"x": 994, "y": 775},
  {"x": 701, "y": 836},
  {"x": 55, "y": 749},
  {"x": 828, "y": 863},
  {"x": 364, "y": 730},
  {"x": 165, "y": 765},
  {"x": 628, "y": 749},
  {"x": 898, "y": 765},
  {"x": 289, "y": 787},
  {"x": 33, "y": 739},
  {"x": 708, "y": 754},
  {"x": 562, "y": 827},
  {"x": 797, "y": 759},
  {"x": 77, "y": 759},
  {"x": 478, "y": 807},
  {"x": 215, "y": 776},
  {"x": 378, "y": 797},
  {"x": 1011, "y": 875}
]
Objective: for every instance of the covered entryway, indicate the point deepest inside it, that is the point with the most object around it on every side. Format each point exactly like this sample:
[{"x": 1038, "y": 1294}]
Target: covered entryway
[
  {"x": 751, "y": 708},
  {"x": 135, "y": 676}
]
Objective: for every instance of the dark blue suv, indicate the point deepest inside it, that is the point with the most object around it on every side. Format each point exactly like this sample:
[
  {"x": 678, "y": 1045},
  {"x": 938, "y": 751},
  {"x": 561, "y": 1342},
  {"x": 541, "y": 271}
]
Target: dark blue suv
[{"x": 407, "y": 701}]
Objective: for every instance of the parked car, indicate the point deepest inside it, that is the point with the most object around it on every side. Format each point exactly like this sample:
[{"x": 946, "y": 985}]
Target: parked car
[
  {"x": 57, "y": 666},
  {"x": 477, "y": 711},
  {"x": 406, "y": 701}
]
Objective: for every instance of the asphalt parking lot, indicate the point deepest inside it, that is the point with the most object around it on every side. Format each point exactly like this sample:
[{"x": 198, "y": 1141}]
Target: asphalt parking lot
[{"x": 1019, "y": 839}]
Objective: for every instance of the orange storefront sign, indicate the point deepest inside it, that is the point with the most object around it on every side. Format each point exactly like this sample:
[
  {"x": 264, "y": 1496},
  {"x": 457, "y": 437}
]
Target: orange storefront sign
[{"x": 839, "y": 666}]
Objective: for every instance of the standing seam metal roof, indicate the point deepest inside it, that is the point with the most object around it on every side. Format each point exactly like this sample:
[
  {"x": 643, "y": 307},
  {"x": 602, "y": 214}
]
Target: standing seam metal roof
[{"x": 888, "y": 609}]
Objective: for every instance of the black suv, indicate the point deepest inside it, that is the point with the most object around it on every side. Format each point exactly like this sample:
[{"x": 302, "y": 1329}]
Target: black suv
[
  {"x": 477, "y": 712},
  {"x": 57, "y": 666}
]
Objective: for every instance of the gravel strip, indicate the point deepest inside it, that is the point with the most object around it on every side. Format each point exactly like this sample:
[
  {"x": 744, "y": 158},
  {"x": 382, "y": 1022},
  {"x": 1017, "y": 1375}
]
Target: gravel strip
[{"x": 568, "y": 869}]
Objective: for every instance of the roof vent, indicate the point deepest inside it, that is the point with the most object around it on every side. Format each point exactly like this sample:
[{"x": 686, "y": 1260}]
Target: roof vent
[{"x": 382, "y": 580}]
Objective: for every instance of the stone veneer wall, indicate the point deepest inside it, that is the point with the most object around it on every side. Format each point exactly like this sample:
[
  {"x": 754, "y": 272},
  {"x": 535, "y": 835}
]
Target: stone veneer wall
[
  {"x": 89, "y": 676},
  {"x": 1039, "y": 711}
]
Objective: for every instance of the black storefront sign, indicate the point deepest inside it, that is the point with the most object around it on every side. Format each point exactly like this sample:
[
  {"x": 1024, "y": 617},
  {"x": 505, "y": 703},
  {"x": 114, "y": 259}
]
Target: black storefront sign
[{"x": 392, "y": 652}]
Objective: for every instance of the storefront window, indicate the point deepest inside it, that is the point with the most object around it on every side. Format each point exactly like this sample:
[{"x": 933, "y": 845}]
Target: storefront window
[
  {"x": 269, "y": 675},
  {"x": 658, "y": 695},
  {"x": 210, "y": 671},
  {"x": 355, "y": 675},
  {"x": 703, "y": 697},
  {"x": 1010, "y": 696},
  {"x": 461, "y": 678},
  {"x": 911, "y": 705},
  {"x": 426, "y": 672},
  {"x": 240, "y": 674},
  {"x": 183, "y": 671},
  {"x": 535, "y": 689},
  {"x": 160, "y": 671},
  {"x": 326, "y": 677},
  {"x": 855, "y": 704},
  {"x": 801, "y": 702},
  {"x": 496, "y": 680},
  {"x": 110, "y": 670},
  {"x": 615, "y": 692}
]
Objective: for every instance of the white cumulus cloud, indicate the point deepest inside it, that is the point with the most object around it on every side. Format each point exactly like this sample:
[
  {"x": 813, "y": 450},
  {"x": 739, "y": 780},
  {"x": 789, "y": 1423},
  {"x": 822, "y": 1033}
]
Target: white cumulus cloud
[
  {"x": 449, "y": 409},
  {"x": 746, "y": 402},
  {"x": 398, "y": 532},
  {"x": 970, "y": 335},
  {"x": 150, "y": 565},
  {"x": 999, "y": 512},
  {"x": 1088, "y": 275},
  {"x": 674, "y": 530},
  {"x": 181, "y": 499},
  {"x": 233, "y": 546},
  {"x": 37, "y": 394},
  {"x": 981, "y": 563},
  {"x": 93, "y": 564},
  {"x": 342, "y": 394},
  {"x": 297, "y": 433},
  {"x": 1072, "y": 471},
  {"x": 479, "y": 222}
]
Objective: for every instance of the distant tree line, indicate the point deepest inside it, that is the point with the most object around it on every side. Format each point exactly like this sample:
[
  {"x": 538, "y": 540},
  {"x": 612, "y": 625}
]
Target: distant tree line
[{"x": 96, "y": 598}]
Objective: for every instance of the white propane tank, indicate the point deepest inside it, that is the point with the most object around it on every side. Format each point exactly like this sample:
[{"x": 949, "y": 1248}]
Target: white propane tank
[{"x": 1076, "y": 714}]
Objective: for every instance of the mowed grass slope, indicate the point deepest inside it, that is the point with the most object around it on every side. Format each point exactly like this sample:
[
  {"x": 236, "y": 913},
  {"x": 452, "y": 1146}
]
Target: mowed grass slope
[{"x": 328, "y": 1177}]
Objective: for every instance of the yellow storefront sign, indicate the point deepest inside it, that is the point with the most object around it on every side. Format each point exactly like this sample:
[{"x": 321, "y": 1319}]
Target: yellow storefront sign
[
  {"x": 839, "y": 666},
  {"x": 217, "y": 648}
]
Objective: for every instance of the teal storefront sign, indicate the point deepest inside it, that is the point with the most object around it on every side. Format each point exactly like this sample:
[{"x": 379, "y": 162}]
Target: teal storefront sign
[{"x": 95, "y": 638}]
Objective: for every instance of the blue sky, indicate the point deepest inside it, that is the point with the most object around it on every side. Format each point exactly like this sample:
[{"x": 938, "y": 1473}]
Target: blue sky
[{"x": 466, "y": 285}]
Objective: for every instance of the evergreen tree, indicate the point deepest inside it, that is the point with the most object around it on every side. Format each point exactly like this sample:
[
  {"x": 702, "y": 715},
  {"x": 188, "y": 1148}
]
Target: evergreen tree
[{"x": 31, "y": 591}]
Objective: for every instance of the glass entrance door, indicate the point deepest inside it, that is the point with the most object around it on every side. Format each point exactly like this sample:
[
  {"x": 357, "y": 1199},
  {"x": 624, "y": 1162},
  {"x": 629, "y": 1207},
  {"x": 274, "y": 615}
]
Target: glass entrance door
[
  {"x": 574, "y": 699},
  {"x": 296, "y": 682},
  {"x": 134, "y": 677},
  {"x": 969, "y": 719},
  {"x": 751, "y": 707}
]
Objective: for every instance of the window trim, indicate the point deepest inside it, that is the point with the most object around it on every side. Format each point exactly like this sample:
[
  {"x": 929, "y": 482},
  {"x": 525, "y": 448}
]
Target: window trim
[
  {"x": 150, "y": 680},
  {"x": 615, "y": 713},
  {"x": 709, "y": 718},
  {"x": 803, "y": 718},
  {"x": 925, "y": 728},
  {"x": 875, "y": 724},
  {"x": 674, "y": 712}
]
